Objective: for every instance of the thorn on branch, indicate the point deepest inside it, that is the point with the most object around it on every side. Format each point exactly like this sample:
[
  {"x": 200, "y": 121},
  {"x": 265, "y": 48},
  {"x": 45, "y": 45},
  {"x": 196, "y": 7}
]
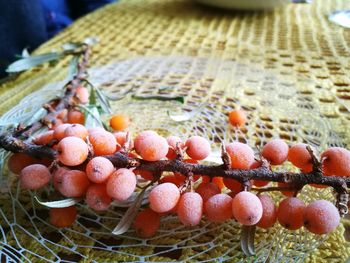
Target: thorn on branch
[
  {"x": 180, "y": 152},
  {"x": 225, "y": 157},
  {"x": 126, "y": 147},
  {"x": 48, "y": 108},
  {"x": 342, "y": 199},
  {"x": 316, "y": 164}
]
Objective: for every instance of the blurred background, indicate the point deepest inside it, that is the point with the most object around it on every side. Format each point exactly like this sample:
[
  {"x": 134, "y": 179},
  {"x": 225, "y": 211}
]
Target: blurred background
[{"x": 27, "y": 24}]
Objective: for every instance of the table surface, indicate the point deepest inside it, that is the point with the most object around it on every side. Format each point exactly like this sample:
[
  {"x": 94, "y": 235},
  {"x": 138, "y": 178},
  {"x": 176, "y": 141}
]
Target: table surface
[{"x": 208, "y": 53}]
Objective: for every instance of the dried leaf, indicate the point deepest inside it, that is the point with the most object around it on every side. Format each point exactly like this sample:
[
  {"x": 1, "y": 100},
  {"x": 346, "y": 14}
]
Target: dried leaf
[
  {"x": 60, "y": 203},
  {"x": 32, "y": 61},
  {"x": 214, "y": 157},
  {"x": 187, "y": 115},
  {"x": 247, "y": 240},
  {"x": 90, "y": 41},
  {"x": 180, "y": 99},
  {"x": 128, "y": 218}
]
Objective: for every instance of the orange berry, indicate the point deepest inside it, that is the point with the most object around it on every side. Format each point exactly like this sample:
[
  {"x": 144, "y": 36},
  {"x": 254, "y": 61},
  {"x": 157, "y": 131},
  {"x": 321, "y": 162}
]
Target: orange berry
[
  {"x": 103, "y": 143},
  {"x": 75, "y": 116},
  {"x": 152, "y": 148},
  {"x": 256, "y": 164},
  {"x": 241, "y": 155},
  {"x": 259, "y": 183},
  {"x": 269, "y": 215},
  {"x": 121, "y": 139},
  {"x": 320, "y": 186},
  {"x": 198, "y": 148},
  {"x": 147, "y": 175},
  {"x": 190, "y": 209},
  {"x": 275, "y": 151},
  {"x": 121, "y": 184},
  {"x": 146, "y": 223},
  {"x": 62, "y": 114},
  {"x": 164, "y": 197},
  {"x": 218, "y": 208},
  {"x": 142, "y": 136},
  {"x": 286, "y": 193},
  {"x": 82, "y": 94},
  {"x": 44, "y": 138},
  {"x": 177, "y": 180},
  {"x": 299, "y": 156},
  {"x": 99, "y": 169},
  {"x": 57, "y": 177},
  {"x": 321, "y": 217},
  {"x": 290, "y": 213},
  {"x": 18, "y": 161},
  {"x": 173, "y": 141},
  {"x": 63, "y": 217},
  {"x": 74, "y": 183},
  {"x": 72, "y": 151},
  {"x": 336, "y": 161},
  {"x": 207, "y": 190},
  {"x": 119, "y": 122},
  {"x": 233, "y": 185},
  {"x": 247, "y": 208},
  {"x": 58, "y": 132},
  {"x": 219, "y": 181},
  {"x": 206, "y": 179},
  {"x": 76, "y": 130},
  {"x": 95, "y": 129},
  {"x": 97, "y": 197},
  {"x": 237, "y": 118},
  {"x": 34, "y": 177},
  {"x": 55, "y": 123}
]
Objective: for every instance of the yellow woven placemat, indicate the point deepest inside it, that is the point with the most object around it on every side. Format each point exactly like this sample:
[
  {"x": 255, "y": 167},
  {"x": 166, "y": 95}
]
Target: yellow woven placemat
[{"x": 295, "y": 43}]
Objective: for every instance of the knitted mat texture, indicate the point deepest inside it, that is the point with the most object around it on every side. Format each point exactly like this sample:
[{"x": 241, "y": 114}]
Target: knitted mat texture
[{"x": 288, "y": 68}]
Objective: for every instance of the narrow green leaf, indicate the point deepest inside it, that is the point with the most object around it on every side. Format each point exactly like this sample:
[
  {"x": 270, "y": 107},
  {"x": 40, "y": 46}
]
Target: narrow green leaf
[
  {"x": 73, "y": 67},
  {"x": 106, "y": 107},
  {"x": 32, "y": 61},
  {"x": 92, "y": 116},
  {"x": 128, "y": 218},
  {"x": 71, "y": 46},
  {"x": 92, "y": 99},
  {"x": 247, "y": 240},
  {"x": 180, "y": 99},
  {"x": 60, "y": 203}
]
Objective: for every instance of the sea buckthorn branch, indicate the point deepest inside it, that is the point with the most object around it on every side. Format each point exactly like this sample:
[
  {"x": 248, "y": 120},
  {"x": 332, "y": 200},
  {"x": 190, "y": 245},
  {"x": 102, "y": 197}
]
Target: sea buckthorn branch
[
  {"x": 121, "y": 160},
  {"x": 55, "y": 106},
  {"x": 16, "y": 145}
]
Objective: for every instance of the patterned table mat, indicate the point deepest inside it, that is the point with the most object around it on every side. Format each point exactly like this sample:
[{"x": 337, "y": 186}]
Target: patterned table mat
[{"x": 287, "y": 67}]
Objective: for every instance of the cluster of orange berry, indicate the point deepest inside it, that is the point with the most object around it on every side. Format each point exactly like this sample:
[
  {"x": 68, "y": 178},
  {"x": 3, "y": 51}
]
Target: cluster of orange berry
[
  {"x": 81, "y": 170},
  {"x": 212, "y": 199}
]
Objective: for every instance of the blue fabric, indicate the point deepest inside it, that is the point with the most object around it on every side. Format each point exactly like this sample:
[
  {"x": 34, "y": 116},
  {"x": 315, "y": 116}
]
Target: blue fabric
[
  {"x": 28, "y": 23},
  {"x": 57, "y": 16},
  {"x": 22, "y": 25}
]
